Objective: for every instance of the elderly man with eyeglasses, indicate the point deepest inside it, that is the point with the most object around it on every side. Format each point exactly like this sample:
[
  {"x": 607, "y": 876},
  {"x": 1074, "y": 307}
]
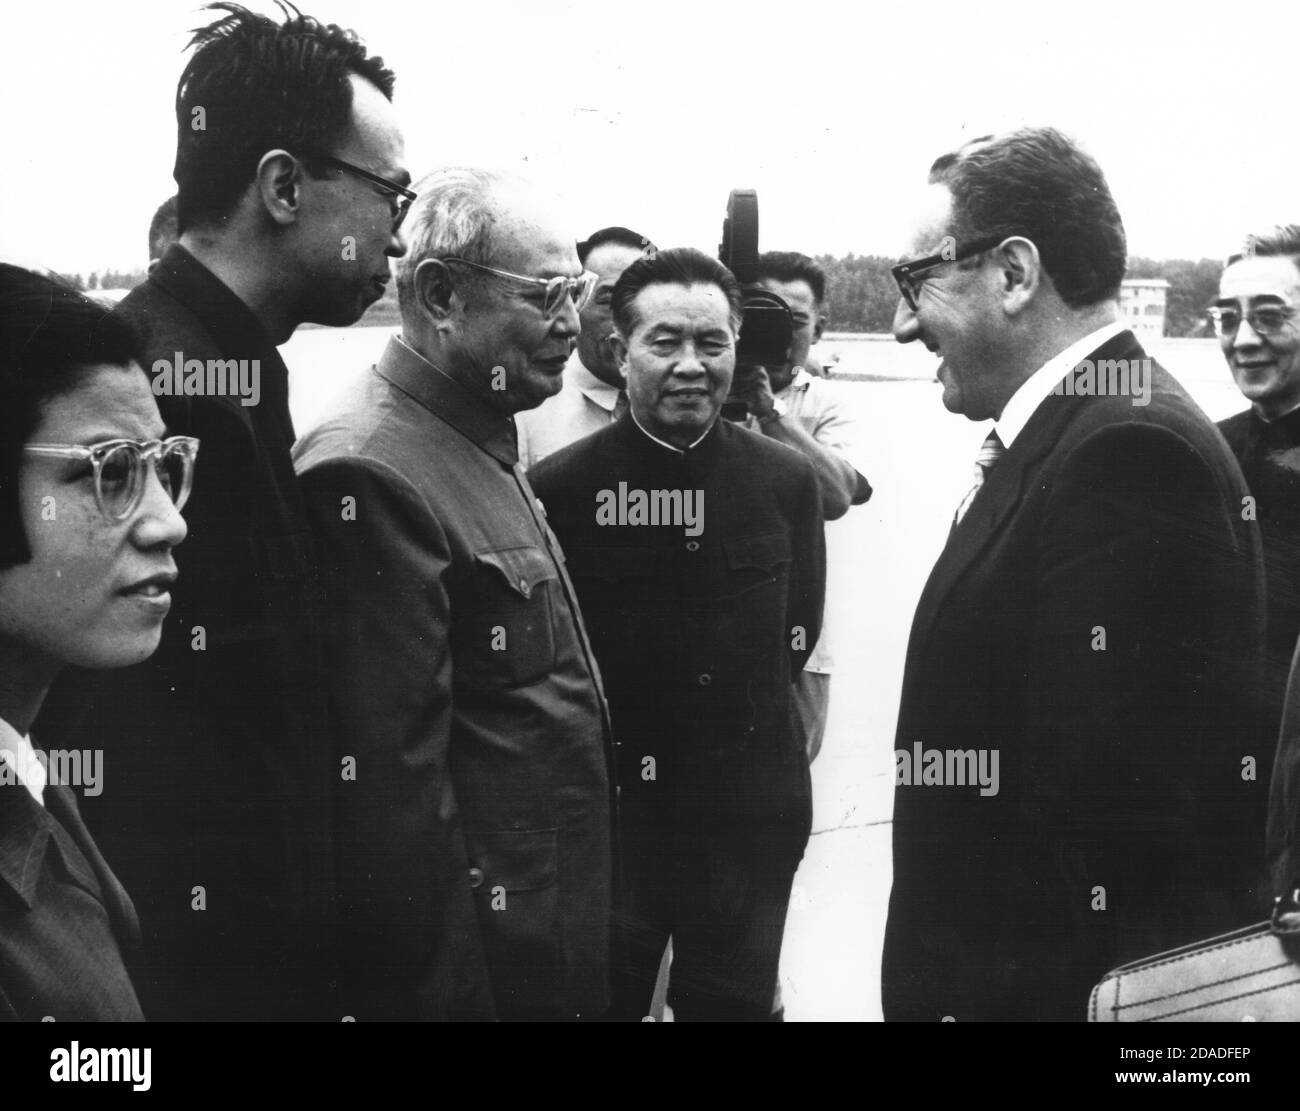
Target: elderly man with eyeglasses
[
  {"x": 475, "y": 801},
  {"x": 1091, "y": 631},
  {"x": 1254, "y": 317}
]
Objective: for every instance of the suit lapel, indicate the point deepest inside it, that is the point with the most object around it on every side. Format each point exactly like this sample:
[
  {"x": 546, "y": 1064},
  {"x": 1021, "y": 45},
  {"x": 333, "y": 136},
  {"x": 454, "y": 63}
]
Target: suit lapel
[
  {"x": 62, "y": 806},
  {"x": 1005, "y": 490}
]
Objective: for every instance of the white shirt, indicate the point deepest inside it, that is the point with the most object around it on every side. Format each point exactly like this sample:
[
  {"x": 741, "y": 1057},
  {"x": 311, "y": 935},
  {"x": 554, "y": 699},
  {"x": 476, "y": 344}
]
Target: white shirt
[
  {"x": 584, "y": 405},
  {"x": 1034, "y": 390},
  {"x": 19, "y": 754},
  {"x": 828, "y": 416}
]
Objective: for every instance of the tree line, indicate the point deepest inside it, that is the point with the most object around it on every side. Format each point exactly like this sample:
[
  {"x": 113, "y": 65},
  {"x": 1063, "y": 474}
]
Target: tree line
[{"x": 862, "y": 293}]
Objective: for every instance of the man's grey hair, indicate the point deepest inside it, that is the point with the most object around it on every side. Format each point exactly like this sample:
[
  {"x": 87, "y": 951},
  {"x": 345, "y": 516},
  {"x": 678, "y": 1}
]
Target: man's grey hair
[{"x": 454, "y": 215}]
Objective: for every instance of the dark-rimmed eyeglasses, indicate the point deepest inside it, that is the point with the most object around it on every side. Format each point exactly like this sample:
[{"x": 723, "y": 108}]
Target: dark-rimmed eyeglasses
[
  {"x": 557, "y": 289},
  {"x": 1266, "y": 320},
  {"x": 402, "y": 197},
  {"x": 119, "y": 467},
  {"x": 908, "y": 274}
]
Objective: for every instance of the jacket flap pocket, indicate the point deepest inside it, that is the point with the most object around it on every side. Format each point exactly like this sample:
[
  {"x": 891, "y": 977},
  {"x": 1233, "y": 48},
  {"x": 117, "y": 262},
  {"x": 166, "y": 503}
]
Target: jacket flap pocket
[
  {"x": 762, "y": 552},
  {"x": 522, "y": 569},
  {"x": 516, "y": 859}
]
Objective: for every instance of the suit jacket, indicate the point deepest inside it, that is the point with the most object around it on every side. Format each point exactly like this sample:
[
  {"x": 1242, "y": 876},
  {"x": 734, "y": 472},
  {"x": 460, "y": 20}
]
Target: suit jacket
[
  {"x": 219, "y": 760},
  {"x": 1269, "y": 454},
  {"x": 474, "y": 835},
  {"x": 699, "y": 629},
  {"x": 1095, "y": 620},
  {"x": 68, "y": 931}
]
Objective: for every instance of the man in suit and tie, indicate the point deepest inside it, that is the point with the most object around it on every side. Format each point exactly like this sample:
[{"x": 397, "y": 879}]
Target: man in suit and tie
[
  {"x": 1078, "y": 776},
  {"x": 594, "y": 394}
]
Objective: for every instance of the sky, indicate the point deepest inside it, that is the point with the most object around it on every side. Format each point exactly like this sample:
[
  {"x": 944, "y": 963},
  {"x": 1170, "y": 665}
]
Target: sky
[{"x": 647, "y": 114}]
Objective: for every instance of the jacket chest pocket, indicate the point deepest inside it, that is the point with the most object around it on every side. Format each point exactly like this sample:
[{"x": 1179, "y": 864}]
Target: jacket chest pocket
[
  {"x": 746, "y": 625},
  {"x": 754, "y": 562},
  {"x": 505, "y": 632}
]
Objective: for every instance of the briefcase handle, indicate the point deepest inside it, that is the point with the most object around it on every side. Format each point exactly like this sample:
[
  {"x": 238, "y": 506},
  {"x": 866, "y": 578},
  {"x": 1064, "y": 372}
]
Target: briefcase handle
[{"x": 1285, "y": 920}]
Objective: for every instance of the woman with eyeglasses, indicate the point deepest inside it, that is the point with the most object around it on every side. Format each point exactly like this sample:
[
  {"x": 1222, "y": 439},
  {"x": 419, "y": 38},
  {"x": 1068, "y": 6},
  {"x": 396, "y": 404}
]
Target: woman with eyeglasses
[{"x": 90, "y": 499}]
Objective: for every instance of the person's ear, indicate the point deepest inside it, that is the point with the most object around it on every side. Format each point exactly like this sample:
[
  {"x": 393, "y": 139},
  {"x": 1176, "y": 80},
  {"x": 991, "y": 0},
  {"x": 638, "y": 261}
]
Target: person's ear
[
  {"x": 819, "y": 326},
  {"x": 1020, "y": 273},
  {"x": 279, "y": 186},
  {"x": 618, "y": 346},
  {"x": 434, "y": 291}
]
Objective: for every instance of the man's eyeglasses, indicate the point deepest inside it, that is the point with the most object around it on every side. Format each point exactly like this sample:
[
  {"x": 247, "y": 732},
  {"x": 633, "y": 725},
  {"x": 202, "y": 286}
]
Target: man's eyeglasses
[
  {"x": 908, "y": 274},
  {"x": 120, "y": 474},
  {"x": 400, "y": 206},
  {"x": 1266, "y": 320},
  {"x": 556, "y": 289}
]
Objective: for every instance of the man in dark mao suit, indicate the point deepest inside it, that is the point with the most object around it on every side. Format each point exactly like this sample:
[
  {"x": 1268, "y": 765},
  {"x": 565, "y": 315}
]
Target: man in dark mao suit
[
  {"x": 220, "y": 830},
  {"x": 1090, "y": 635},
  {"x": 696, "y": 547},
  {"x": 474, "y": 824}
]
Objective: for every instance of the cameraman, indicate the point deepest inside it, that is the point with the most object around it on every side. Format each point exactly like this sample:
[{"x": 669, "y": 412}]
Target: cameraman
[{"x": 810, "y": 415}]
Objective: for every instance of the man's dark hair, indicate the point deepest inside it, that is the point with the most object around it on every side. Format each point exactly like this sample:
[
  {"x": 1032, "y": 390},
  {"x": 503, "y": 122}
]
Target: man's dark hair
[
  {"x": 791, "y": 266},
  {"x": 1036, "y": 183},
  {"x": 1280, "y": 241},
  {"x": 679, "y": 266},
  {"x": 50, "y": 337},
  {"x": 162, "y": 229},
  {"x": 255, "y": 85},
  {"x": 624, "y": 236}
]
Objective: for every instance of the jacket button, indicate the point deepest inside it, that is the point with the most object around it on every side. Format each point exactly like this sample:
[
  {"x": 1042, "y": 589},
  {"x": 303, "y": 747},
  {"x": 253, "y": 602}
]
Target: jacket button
[
  {"x": 476, "y": 877},
  {"x": 524, "y": 588},
  {"x": 706, "y": 679},
  {"x": 692, "y": 545}
]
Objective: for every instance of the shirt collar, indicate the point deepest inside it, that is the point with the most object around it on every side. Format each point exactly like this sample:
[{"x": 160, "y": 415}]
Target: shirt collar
[
  {"x": 1034, "y": 389},
  {"x": 1291, "y": 416},
  {"x": 799, "y": 381},
  {"x": 19, "y": 756},
  {"x": 24, "y": 835},
  {"x": 442, "y": 395},
  {"x": 671, "y": 447},
  {"x": 592, "y": 388}
]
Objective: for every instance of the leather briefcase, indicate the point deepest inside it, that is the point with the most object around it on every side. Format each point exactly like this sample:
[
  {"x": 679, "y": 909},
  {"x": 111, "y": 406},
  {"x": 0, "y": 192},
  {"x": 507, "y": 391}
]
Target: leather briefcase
[{"x": 1249, "y": 975}]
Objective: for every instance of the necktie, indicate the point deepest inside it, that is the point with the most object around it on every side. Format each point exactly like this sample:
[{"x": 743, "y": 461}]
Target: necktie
[
  {"x": 620, "y": 406},
  {"x": 991, "y": 450}
]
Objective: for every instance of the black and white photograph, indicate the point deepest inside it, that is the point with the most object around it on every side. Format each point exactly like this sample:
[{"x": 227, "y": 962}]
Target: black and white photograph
[{"x": 589, "y": 513}]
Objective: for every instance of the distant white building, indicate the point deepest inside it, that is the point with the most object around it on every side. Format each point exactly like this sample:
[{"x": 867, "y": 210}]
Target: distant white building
[{"x": 1142, "y": 305}]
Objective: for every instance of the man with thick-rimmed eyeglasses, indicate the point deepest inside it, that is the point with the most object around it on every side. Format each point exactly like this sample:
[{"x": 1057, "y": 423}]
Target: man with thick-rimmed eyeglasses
[
  {"x": 291, "y": 187},
  {"x": 1089, "y": 635},
  {"x": 1255, "y": 318},
  {"x": 474, "y": 846}
]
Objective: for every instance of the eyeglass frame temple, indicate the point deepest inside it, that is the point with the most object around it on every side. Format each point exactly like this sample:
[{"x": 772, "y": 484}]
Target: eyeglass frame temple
[{"x": 902, "y": 273}]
